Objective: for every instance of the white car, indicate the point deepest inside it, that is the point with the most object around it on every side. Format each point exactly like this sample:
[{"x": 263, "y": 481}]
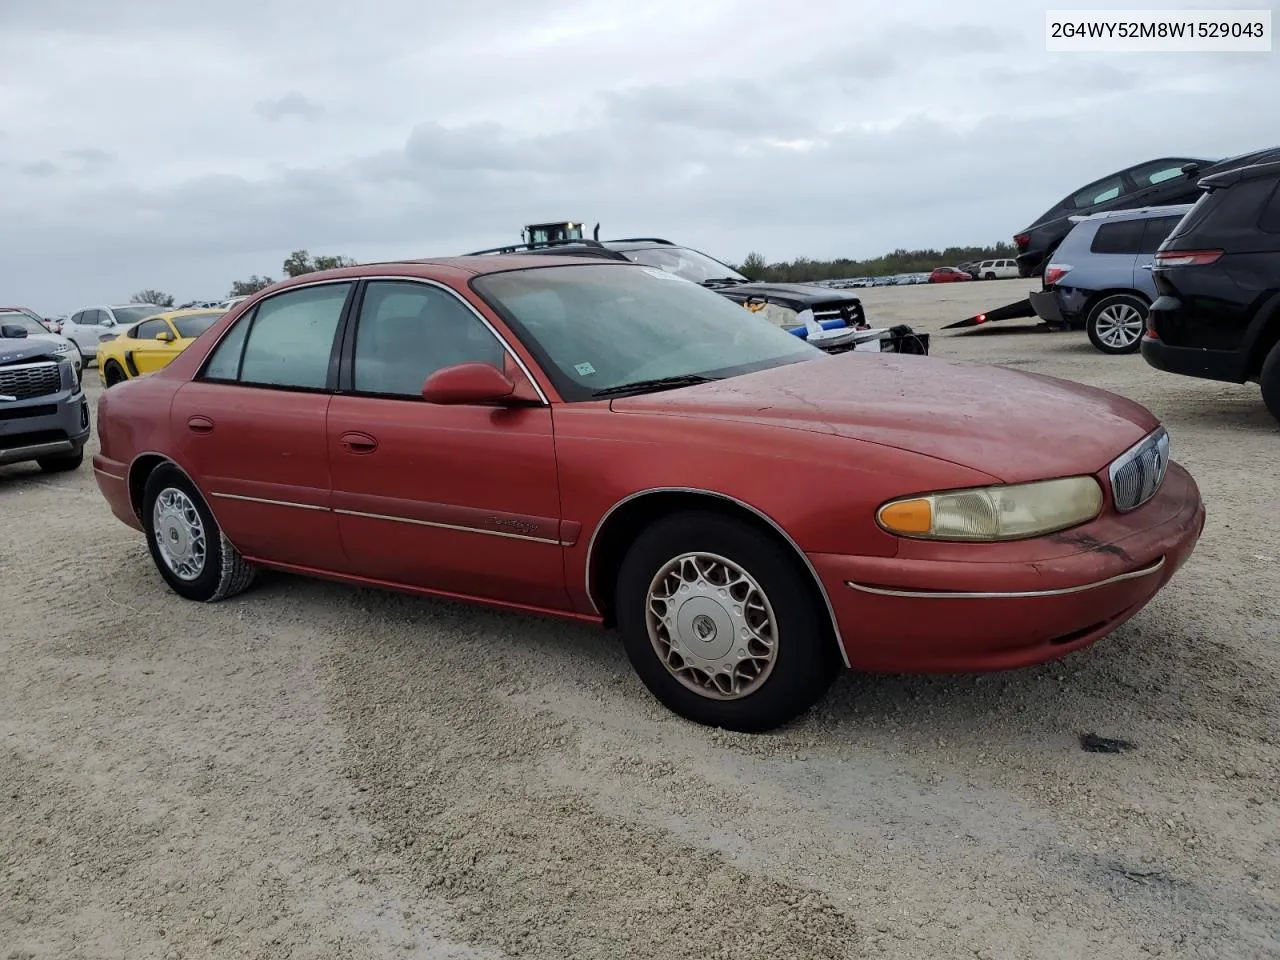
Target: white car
[
  {"x": 998, "y": 270},
  {"x": 89, "y": 327},
  {"x": 38, "y": 331}
]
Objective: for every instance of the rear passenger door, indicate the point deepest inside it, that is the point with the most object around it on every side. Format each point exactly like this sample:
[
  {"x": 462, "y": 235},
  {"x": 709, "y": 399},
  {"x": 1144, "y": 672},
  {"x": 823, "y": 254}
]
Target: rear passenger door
[{"x": 250, "y": 428}]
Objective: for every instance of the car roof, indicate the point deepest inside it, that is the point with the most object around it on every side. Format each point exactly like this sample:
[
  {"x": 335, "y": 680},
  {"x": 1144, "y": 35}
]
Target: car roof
[
  {"x": 469, "y": 265},
  {"x": 1135, "y": 213},
  {"x": 1256, "y": 171},
  {"x": 189, "y": 312}
]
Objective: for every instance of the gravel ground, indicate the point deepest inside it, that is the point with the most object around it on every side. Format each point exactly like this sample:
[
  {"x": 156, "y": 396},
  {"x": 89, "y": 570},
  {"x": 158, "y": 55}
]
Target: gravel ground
[{"x": 315, "y": 771}]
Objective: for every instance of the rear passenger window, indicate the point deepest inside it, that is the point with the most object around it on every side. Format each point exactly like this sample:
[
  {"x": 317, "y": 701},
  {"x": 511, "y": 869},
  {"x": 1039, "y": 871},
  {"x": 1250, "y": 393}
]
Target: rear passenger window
[
  {"x": 287, "y": 341},
  {"x": 1122, "y": 237},
  {"x": 1099, "y": 192},
  {"x": 1157, "y": 230}
]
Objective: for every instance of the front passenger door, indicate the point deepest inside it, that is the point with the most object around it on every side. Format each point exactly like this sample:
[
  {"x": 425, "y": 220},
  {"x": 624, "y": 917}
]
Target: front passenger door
[
  {"x": 461, "y": 499},
  {"x": 147, "y": 353}
]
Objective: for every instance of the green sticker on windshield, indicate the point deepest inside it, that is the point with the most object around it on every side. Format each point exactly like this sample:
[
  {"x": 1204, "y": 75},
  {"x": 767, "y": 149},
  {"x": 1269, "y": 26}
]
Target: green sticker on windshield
[{"x": 585, "y": 369}]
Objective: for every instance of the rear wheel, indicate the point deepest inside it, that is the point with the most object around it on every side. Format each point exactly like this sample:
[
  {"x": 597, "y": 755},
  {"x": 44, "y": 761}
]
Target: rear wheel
[
  {"x": 1270, "y": 381},
  {"x": 1115, "y": 323},
  {"x": 112, "y": 374},
  {"x": 186, "y": 544},
  {"x": 722, "y": 623}
]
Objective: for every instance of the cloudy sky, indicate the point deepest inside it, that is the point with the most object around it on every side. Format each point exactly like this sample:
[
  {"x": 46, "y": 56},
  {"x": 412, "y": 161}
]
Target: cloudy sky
[{"x": 182, "y": 144}]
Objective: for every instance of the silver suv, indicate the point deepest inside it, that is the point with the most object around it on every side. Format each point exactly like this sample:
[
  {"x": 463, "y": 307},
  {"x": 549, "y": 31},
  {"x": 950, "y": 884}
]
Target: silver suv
[
  {"x": 1100, "y": 277},
  {"x": 93, "y": 325}
]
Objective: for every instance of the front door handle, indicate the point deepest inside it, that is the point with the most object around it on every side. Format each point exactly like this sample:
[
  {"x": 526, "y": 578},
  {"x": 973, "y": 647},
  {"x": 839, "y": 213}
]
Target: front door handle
[
  {"x": 1146, "y": 266},
  {"x": 198, "y": 424},
  {"x": 358, "y": 443}
]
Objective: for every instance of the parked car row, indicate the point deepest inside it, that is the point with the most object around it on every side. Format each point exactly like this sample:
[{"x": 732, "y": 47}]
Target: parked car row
[
  {"x": 1194, "y": 287},
  {"x": 1164, "y": 181}
]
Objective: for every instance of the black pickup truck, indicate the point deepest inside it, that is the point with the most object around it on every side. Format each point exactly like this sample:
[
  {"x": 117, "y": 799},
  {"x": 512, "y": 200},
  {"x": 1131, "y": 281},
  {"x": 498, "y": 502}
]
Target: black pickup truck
[{"x": 44, "y": 414}]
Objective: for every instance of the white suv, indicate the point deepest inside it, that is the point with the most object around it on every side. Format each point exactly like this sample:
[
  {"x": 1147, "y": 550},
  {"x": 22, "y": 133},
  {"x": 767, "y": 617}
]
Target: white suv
[
  {"x": 91, "y": 326},
  {"x": 998, "y": 270}
]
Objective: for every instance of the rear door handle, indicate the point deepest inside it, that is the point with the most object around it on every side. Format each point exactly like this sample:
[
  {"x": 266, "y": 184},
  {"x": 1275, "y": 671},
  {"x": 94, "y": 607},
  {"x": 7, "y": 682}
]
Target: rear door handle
[
  {"x": 199, "y": 424},
  {"x": 358, "y": 443},
  {"x": 1146, "y": 266}
]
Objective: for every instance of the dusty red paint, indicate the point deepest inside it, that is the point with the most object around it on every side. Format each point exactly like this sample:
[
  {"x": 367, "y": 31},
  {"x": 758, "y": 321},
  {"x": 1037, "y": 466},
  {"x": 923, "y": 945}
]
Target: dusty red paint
[{"x": 504, "y": 505}]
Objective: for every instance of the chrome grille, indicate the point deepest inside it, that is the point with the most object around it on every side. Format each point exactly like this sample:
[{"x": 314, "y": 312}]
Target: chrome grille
[
  {"x": 1137, "y": 473},
  {"x": 22, "y": 381}
]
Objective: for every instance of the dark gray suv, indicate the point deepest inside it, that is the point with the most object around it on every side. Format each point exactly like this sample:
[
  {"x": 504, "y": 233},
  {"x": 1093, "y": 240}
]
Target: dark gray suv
[{"x": 44, "y": 414}]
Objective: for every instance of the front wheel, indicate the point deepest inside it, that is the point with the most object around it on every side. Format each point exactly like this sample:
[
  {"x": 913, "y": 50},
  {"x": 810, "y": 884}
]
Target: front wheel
[
  {"x": 722, "y": 623},
  {"x": 62, "y": 464},
  {"x": 1116, "y": 322},
  {"x": 188, "y": 548}
]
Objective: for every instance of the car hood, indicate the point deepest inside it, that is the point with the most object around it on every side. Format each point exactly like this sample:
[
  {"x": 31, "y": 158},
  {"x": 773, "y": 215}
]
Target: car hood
[
  {"x": 804, "y": 294},
  {"x": 1011, "y": 425},
  {"x": 25, "y": 350}
]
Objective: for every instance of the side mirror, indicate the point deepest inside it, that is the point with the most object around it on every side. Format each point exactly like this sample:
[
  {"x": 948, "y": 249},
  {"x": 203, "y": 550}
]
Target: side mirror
[
  {"x": 468, "y": 383},
  {"x": 1190, "y": 169},
  {"x": 13, "y": 331},
  {"x": 165, "y": 335}
]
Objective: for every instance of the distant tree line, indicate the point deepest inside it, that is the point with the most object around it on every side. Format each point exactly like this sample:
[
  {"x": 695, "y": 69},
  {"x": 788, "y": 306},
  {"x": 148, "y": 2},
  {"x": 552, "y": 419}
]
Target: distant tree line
[
  {"x": 803, "y": 269},
  {"x": 754, "y": 266},
  {"x": 295, "y": 265}
]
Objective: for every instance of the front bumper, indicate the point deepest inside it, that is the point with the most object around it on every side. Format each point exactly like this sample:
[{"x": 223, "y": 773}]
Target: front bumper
[
  {"x": 1013, "y": 604},
  {"x": 50, "y": 426}
]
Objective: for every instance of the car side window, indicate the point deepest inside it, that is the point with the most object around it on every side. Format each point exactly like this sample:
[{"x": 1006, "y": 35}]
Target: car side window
[
  {"x": 1099, "y": 192},
  {"x": 1122, "y": 237},
  {"x": 286, "y": 342},
  {"x": 407, "y": 331},
  {"x": 1158, "y": 228},
  {"x": 148, "y": 330},
  {"x": 1153, "y": 173},
  {"x": 224, "y": 362}
]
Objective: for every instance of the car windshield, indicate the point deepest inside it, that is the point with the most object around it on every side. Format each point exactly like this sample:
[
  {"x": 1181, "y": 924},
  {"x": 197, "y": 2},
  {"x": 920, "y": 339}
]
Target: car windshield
[
  {"x": 594, "y": 327},
  {"x": 684, "y": 262},
  {"x": 22, "y": 320},
  {"x": 196, "y": 323},
  {"x": 127, "y": 315}
]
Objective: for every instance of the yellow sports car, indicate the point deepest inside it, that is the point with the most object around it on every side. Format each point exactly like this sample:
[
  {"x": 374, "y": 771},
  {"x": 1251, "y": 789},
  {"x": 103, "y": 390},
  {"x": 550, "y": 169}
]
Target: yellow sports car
[{"x": 147, "y": 346}]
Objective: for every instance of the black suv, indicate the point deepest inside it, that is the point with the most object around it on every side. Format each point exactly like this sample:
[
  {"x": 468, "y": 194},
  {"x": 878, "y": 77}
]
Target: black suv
[
  {"x": 831, "y": 318},
  {"x": 1217, "y": 274},
  {"x": 1153, "y": 183}
]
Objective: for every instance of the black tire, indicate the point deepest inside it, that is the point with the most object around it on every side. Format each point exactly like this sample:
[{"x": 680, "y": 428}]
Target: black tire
[
  {"x": 989, "y": 276},
  {"x": 1270, "y": 381},
  {"x": 806, "y": 658},
  {"x": 223, "y": 572},
  {"x": 112, "y": 374},
  {"x": 1101, "y": 323},
  {"x": 64, "y": 463}
]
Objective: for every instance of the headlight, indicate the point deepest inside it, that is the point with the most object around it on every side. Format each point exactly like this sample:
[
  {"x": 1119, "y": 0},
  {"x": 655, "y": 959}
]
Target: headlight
[
  {"x": 1006, "y": 512},
  {"x": 64, "y": 347}
]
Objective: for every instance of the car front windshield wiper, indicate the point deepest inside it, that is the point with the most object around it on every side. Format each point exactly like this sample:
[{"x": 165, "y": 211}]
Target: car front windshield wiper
[
  {"x": 660, "y": 383},
  {"x": 717, "y": 281}
]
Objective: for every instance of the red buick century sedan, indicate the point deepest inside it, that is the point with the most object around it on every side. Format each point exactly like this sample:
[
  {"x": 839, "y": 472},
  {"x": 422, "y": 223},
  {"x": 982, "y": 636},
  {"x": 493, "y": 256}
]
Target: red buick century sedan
[{"x": 608, "y": 443}]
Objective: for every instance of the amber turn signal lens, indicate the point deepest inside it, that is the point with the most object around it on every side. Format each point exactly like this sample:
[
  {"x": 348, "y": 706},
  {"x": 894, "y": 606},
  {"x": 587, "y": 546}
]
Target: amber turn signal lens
[{"x": 907, "y": 516}]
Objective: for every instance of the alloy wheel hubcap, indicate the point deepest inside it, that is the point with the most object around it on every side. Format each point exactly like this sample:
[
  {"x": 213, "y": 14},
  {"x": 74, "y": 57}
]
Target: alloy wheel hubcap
[
  {"x": 179, "y": 534},
  {"x": 1120, "y": 325},
  {"x": 712, "y": 626}
]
